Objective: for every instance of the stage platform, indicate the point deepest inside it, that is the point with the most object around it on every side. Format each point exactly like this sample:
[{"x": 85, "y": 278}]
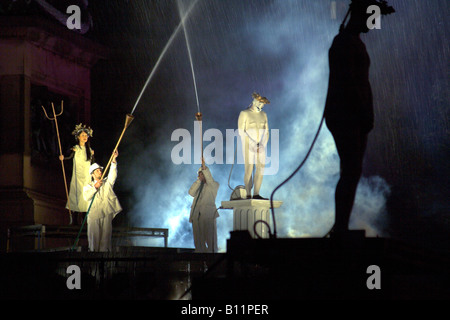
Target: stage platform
[
  {"x": 135, "y": 273},
  {"x": 351, "y": 267}
]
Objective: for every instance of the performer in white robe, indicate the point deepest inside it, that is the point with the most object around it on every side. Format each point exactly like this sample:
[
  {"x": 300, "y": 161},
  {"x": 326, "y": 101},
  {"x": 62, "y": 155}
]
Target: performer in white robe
[
  {"x": 203, "y": 211},
  {"x": 253, "y": 128},
  {"x": 104, "y": 207},
  {"x": 82, "y": 155}
]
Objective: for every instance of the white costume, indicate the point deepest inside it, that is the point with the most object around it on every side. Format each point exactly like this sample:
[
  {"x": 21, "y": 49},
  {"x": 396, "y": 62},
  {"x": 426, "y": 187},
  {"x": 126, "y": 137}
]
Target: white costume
[
  {"x": 80, "y": 178},
  {"x": 203, "y": 213},
  {"x": 253, "y": 127},
  {"x": 103, "y": 210}
]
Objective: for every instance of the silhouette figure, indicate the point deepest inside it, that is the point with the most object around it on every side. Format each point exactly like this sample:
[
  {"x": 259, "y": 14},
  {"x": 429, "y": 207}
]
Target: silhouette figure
[{"x": 349, "y": 104}]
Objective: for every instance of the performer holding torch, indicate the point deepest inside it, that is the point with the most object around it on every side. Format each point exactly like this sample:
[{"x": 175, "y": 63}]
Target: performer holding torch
[
  {"x": 203, "y": 209},
  {"x": 105, "y": 207}
]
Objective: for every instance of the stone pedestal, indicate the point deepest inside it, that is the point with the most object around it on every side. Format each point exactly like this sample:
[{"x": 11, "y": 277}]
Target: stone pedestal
[{"x": 252, "y": 215}]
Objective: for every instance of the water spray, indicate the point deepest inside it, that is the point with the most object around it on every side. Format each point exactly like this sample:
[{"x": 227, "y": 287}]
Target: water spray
[
  {"x": 190, "y": 59},
  {"x": 198, "y": 115},
  {"x": 130, "y": 117},
  {"x": 172, "y": 37}
]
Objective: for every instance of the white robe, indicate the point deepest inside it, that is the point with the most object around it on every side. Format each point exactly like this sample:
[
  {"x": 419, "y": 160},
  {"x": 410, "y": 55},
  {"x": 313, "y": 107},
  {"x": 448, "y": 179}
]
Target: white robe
[
  {"x": 204, "y": 213},
  {"x": 104, "y": 208},
  {"x": 80, "y": 177}
]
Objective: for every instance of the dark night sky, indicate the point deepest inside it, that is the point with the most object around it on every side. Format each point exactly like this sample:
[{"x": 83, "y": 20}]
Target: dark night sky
[{"x": 278, "y": 48}]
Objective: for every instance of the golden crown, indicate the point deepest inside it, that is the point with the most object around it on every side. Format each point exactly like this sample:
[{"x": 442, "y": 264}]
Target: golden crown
[
  {"x": 81, "y": 127},
  {"x": 258, "y": 97}
]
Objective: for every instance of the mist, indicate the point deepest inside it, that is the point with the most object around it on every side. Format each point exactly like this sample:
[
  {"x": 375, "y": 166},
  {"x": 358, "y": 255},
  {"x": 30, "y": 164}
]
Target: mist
[{"x": 280, "y": 50}]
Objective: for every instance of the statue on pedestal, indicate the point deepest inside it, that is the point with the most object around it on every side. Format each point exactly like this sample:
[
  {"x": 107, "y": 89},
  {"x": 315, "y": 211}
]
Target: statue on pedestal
[{"x": 253, "y": 128}]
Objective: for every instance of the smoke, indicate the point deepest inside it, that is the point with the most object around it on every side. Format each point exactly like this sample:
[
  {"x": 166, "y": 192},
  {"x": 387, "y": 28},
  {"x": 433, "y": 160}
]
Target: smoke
[{"x": 279, "y": 49}]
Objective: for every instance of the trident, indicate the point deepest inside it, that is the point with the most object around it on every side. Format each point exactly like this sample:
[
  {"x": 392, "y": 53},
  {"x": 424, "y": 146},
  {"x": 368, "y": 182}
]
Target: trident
[{"x": 60, "y": 150}]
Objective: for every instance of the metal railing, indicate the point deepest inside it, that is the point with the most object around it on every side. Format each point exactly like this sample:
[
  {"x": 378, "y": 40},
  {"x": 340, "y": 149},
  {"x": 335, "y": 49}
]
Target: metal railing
[{"x": 41, "y": 232}]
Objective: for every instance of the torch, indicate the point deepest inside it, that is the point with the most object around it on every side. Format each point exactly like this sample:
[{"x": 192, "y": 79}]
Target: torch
[
  {"x": 198, "y": 117},
  {"x": 128, "y": 119}
]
